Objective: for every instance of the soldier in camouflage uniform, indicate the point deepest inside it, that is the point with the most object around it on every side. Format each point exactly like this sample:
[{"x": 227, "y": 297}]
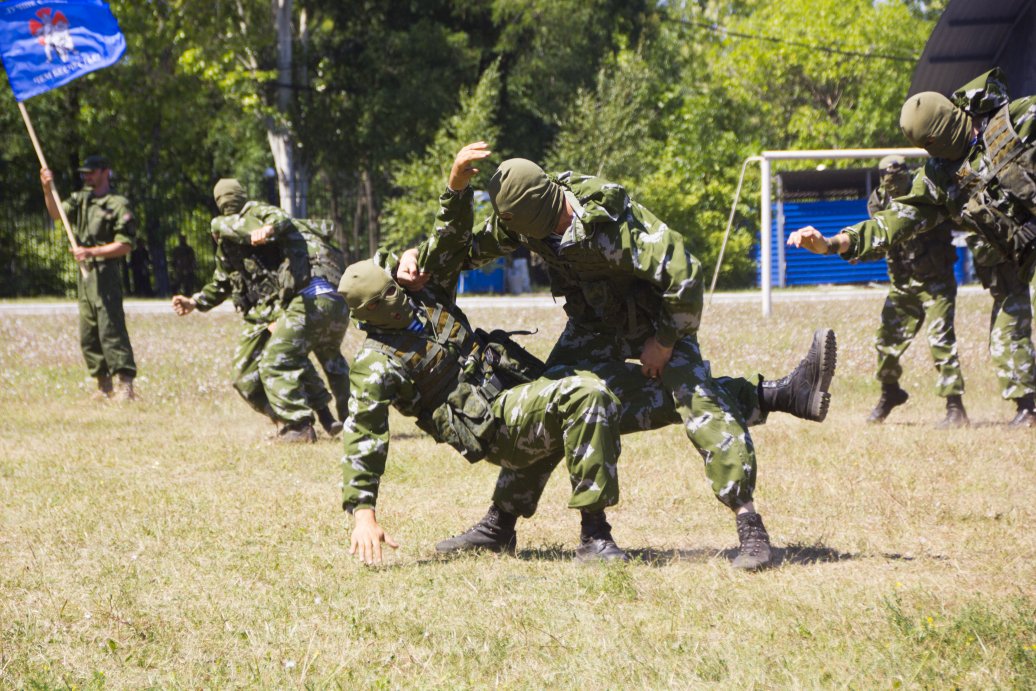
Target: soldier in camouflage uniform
[
  {"x": 631, "y": 290},
  {"x": 477, "y": 392},
  {"x": 982, "y": 177},
  {"x": 291, "y": 307},
  {"x": 105, "y": 230},
  {"x": 922, "y": 288}
]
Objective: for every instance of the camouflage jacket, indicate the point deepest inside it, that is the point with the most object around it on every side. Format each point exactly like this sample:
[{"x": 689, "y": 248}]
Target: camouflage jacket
[
  {"x": 929, "y": 255},
  {"x": 620, "y": 269},
  {"x": 436, "y": 373},
  {"x": 99, "y": 220},
  {"x": 261, "y": 280},
  {"x": 989, "y": 195}
]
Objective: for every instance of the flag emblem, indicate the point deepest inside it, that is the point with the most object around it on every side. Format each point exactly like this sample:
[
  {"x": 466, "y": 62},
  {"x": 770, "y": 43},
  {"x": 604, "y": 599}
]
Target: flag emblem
[
  {"x": 47, "y": 43},
  {"x": 51, "y": 30}
]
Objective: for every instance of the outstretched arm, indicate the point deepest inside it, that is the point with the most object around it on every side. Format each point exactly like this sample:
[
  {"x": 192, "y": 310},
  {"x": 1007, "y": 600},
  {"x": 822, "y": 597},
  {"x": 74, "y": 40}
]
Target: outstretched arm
[{"x": 809, "y": 238}]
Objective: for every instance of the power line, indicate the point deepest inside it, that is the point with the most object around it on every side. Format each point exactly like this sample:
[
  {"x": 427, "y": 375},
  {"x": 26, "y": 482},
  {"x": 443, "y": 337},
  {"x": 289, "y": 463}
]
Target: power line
[{"x": 717, "y": 29}]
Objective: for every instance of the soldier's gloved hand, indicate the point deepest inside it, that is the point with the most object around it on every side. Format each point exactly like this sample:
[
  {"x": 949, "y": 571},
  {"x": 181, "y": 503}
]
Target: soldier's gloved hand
[
  {"x": 260, "y": 236},
  {"x": 809, "y": 238},
  {"x": 183, "y": 305},
  {"x": 409, "y": 275},
  {"x": 367, "y": 537},
  {"x": 463, "y": 170},
  {"x": 654, "y": 357}
]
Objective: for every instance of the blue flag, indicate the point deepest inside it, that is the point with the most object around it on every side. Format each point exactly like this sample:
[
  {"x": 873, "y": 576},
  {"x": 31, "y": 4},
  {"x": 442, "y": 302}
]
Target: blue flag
[{"x": 47, "y": 43}]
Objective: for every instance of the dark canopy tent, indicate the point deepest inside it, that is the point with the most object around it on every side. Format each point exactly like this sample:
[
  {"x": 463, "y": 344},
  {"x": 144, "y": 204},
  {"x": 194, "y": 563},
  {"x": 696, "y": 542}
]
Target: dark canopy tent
[{"x": 972, "y": 37}]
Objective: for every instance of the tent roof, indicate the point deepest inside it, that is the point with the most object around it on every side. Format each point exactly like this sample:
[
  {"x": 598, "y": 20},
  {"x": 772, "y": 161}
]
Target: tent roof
[{"x": 972, "y": 37}]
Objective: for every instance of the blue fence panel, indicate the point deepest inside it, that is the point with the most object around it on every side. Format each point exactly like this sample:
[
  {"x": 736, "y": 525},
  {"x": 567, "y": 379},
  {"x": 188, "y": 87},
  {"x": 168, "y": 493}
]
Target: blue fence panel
[{"x": 805, "y": 268}]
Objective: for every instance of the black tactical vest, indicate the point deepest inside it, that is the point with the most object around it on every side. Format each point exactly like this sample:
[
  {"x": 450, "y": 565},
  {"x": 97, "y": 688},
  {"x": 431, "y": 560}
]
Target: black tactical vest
[{"x": 458, "y": 373}]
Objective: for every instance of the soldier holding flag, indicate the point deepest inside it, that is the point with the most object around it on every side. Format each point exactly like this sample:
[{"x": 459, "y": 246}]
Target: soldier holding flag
[
  {"x": 42, "y": 49},
  {"x": 104, "y": 231}
]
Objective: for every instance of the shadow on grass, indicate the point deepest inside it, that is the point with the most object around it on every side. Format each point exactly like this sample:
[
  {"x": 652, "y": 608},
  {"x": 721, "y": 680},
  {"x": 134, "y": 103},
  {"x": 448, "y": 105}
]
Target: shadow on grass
[
  {"x": 802, "y": 555},
  {"x": 973, "y": 424},
  {"x": 793, "y": 554}
]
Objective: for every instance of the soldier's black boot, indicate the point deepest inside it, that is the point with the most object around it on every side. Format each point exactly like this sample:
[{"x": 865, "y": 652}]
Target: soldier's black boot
[
  {"x": 956, "y": 416},
  {"x": 104, "y": 388},
  {"x": 494, "y": 533},
  {"x": 331, "y": 426},
  {"x": 299, "y": 432},
  {"x": 595, "y": 540},
  {"x": 804, "y": 392},
  {"x": 755, "y": 542},
  {"x": 1026, "y": 416},
  {"x": 891, "y": 396}
]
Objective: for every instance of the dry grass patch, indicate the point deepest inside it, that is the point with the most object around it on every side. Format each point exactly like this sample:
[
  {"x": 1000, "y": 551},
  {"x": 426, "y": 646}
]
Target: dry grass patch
[{"x": 167, "y": 544}]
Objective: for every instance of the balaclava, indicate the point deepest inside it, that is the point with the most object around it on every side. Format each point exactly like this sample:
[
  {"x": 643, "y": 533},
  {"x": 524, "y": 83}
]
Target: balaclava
[{"x": 525, "y": 199}]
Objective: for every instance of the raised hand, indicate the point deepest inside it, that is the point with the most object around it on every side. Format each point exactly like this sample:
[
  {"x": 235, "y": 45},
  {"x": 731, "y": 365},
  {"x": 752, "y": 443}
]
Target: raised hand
[{"x": 463, "y": 165}]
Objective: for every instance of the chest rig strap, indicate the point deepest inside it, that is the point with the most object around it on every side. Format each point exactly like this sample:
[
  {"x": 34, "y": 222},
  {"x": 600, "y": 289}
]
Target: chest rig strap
[{"x": 1002, "y": 146}]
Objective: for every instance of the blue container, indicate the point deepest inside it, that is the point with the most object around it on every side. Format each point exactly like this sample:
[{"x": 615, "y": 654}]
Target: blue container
[{"x": 487, "y": 279}]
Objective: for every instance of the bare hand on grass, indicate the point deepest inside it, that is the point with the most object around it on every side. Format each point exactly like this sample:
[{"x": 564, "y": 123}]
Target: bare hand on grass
[{"x": 367, "y": 537}]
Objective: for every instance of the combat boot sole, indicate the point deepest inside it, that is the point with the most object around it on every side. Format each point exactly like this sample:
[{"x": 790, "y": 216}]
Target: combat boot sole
[{"x": 826, "y": 345}]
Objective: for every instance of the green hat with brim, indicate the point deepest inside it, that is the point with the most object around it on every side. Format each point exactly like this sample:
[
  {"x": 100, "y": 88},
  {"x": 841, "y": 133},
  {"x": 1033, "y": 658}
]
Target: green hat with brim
[
  {"x": 91, "y": 163},
  {"x": 931, "y": 121},
  {"x": 892, "y": 162},
  {"x": 230, "y": 196},
  {"x": 525, "y": 199}
]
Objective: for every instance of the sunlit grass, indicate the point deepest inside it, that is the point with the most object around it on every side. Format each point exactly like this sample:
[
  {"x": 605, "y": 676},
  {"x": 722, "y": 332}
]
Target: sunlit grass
[{"x": 168, "y": 544}]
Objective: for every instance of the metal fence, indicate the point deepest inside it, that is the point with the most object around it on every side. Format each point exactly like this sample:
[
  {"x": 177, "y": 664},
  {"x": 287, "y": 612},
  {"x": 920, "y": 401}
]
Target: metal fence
[{"x": 35, "y": 258}]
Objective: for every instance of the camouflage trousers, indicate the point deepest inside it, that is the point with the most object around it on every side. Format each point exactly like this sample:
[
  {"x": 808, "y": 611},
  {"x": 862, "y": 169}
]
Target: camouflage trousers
[
  {"x": 568, "y": 414},
  {"x": 716, "y": 413},
  {"x": 910, "y": 304},
  {"x": 273, "y": 372},
  {"x": 102, "y": 323},
  {"x": 1010, "y": 341}
]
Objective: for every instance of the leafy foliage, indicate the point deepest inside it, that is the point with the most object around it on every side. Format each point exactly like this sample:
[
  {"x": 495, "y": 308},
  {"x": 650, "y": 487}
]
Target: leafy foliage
[
  {"x": 408, "y": 218},
  {"x": 668, "y": 99}
]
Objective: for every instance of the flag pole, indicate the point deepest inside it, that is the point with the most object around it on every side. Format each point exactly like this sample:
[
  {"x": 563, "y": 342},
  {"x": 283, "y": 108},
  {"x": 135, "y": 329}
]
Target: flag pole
[{"x": 53, "y": 189}]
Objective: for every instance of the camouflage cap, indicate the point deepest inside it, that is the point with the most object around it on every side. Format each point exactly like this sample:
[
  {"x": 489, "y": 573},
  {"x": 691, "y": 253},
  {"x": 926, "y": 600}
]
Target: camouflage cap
[
  {"x": 95, "y": 162},
  {"x": 525, "y": 199},
  {"x": 930, "y": 120},
  {"x": 374, "y": 297},
  {"x": 891, "y": 164},
  {"x": 230, "y": 196}
]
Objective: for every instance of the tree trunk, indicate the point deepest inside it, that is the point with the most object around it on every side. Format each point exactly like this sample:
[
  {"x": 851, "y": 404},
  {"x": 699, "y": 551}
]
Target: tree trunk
[
  {"x": 354, "y": 246},
  {"x": 372, "y": 213},
  {"x": 278, "y": 131}
]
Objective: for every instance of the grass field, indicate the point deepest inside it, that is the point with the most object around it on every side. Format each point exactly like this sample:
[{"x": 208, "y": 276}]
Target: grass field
[{"x": 167, "y": 544}]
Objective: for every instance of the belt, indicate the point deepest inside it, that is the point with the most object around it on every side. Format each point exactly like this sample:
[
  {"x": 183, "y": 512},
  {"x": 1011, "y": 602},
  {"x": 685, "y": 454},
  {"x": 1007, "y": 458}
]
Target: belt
[{"x": 319, "y": 286}]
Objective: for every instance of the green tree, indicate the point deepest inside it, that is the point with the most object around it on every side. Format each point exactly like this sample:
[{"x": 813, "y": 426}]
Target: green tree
[{"x": 410, "y": 217}]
